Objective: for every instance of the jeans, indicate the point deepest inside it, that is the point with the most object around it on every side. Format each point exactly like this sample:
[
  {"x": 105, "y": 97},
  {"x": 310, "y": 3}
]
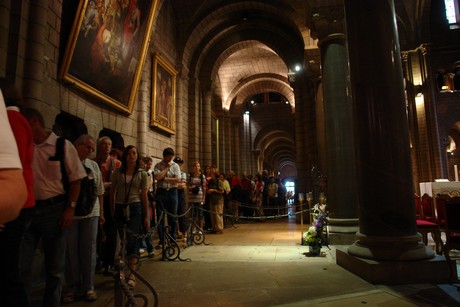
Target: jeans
[
  {"x": 133, "y": 227},
  {"x": 109, "y": 246},
  {"x": 81, "y": 254},
  {"x": 46, "y": 226},
  {"x": 167, "y": 200},
  {"x": 12, "y": 288}
]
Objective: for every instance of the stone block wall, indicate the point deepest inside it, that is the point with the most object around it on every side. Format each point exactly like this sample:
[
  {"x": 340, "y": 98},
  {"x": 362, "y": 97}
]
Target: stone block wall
[{"x": 41, "y": 85}]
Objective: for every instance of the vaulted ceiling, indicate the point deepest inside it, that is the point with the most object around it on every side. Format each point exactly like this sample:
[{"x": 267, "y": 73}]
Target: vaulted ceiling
[{"x": 241, "y": 48}]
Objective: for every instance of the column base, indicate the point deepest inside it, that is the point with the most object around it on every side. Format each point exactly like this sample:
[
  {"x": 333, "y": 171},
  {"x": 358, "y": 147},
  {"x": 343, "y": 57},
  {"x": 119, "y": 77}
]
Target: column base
[
  {"x": 434, "y": 270},
  {"x": 342, "y": 238},
  {"x": 401, "y": 248},
  {"x": 342, "y": 231}
]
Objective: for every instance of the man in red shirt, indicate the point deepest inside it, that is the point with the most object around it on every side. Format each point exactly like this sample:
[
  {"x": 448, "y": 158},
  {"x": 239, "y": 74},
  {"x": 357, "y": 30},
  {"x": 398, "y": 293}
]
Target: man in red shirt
[{"x": 12, "y": 289}]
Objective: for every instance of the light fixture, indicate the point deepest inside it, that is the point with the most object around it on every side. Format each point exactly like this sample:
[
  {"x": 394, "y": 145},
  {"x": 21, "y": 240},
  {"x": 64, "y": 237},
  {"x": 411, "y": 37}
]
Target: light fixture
[
  {"x": 297, "y": 67},
  {"x": 287, "y": 102},
  {"x": 252, "y": 101}
]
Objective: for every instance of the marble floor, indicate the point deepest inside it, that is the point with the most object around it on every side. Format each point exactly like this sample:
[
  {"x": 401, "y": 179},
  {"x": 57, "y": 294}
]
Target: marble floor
[{"x": 263, "y": 264}]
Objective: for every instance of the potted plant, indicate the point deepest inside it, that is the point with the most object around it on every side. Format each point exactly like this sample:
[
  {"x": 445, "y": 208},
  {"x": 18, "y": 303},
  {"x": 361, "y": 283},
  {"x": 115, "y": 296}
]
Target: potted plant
[{"x": 313, "y": 237}]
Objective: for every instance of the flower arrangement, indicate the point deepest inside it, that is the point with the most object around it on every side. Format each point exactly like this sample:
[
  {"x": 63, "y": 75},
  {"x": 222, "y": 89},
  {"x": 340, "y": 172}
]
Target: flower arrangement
[{"x": 313, "y": 236}]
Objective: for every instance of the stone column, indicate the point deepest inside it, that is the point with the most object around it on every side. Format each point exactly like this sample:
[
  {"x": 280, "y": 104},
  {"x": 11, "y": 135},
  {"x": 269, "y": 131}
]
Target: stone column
[
  {"x": 194, "y": 121},
  {"x": 300, "y": 136},
  {"x": 5, "y": 7},
  {"x": 228, "y": 144},
  {"x": 224, "y": 144},
  {"x": 246, "y": 145},
  {"x": 206, "y": 149},
  {"x": 236, "y": 144},
  {"x": 387, "y": 215},
  {"x": 328, "y": 26},
  {"x": 34, "y": 55},
  {"x": 181, "y": 94},
  {"x": 142, "y": 116}
]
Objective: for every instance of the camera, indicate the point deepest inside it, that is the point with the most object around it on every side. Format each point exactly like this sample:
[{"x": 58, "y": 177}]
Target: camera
[{"x": 196, "y": 190}]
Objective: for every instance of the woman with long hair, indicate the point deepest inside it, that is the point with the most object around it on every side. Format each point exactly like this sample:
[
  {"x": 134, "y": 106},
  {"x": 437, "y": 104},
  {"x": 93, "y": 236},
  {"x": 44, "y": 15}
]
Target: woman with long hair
[
  {"x": 128, "y": 206},
  {"x": 197, "y": 192}
]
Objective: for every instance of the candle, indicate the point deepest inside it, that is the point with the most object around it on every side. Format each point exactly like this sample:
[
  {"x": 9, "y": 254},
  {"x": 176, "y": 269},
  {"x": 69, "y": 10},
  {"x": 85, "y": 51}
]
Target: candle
[{"x": 456, "y": 172}]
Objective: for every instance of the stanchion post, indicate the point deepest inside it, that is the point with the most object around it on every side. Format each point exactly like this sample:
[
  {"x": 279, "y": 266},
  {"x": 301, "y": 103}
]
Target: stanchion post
[
  {"x": 301, "y": 199},
  {"x": 310, "y": 200}
]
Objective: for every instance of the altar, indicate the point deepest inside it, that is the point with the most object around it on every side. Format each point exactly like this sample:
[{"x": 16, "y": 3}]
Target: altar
[
  {"x": 433, "y": 189},
  {"x": 451, "y": 188}
]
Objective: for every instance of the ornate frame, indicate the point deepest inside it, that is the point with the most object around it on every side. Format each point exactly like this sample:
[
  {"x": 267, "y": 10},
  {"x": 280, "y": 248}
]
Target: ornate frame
[
  {"x": 163, "y": 95},
  {"x": 107, "y": 48}
]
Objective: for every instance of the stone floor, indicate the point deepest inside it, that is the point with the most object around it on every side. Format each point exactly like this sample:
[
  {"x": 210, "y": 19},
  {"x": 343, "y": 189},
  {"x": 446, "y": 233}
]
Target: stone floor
[{"x": 263, "y": 264}]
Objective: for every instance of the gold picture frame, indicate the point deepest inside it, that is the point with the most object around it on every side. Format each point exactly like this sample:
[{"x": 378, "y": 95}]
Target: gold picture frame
[
  {"x": 107, "y": 48},
  {"x": 163, "y": 95}
]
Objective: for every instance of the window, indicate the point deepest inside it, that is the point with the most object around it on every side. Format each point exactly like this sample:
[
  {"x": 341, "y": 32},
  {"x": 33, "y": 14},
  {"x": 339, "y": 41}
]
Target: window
[{"x": 451, "y": 11}]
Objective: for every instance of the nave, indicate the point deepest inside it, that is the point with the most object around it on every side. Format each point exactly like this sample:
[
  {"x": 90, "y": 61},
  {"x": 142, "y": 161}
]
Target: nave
[{"x": 263, "y": 264}]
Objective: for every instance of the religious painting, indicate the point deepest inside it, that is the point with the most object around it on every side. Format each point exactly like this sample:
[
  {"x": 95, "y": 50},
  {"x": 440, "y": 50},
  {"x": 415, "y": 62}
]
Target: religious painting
[
  {"x": 107, "y": 48},
  {"x": 164, "y": 89}
]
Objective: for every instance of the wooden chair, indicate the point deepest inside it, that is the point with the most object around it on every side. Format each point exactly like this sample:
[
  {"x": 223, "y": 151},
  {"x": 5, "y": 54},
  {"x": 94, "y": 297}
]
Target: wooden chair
[
  {"x": 426, "y": 226},
  {"x": 418, "y": 206},
  {"x": 452, "y": 229},
  {"x": 441, "y": 200},
  {"x": 428, "y": 208}
]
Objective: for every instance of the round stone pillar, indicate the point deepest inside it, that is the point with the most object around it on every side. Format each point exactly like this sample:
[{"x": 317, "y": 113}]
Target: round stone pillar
[
  {"x": 206, "y": 135},
  {"x": 181, "y": 98},
  {"x": 387, "y": 214},
  {"x": 338, "y": 117},
  {"x": 5, "y": 7},
  {"x": 34, "y": 54},
  {"x": 302, "y": 125}
]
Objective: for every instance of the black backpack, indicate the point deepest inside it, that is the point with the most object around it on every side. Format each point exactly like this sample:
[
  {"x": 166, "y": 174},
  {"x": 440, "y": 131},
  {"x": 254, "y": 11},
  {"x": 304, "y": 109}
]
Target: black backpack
[
  {"x": 87, "y": 196},
  {"x": 88, "y": 192}
]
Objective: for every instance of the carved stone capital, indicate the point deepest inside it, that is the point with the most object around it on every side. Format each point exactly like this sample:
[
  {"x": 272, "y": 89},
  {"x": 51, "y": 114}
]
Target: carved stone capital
[{"x": 326, "y": 17}]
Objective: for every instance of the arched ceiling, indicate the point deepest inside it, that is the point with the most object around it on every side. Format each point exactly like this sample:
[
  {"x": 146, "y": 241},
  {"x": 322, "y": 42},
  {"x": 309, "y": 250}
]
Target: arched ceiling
[
  {"x": 238, "y": 49},
  {"x": 241, "y": 48}
]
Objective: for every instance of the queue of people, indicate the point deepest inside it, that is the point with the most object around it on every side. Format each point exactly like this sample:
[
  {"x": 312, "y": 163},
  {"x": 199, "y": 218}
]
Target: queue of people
[{"x": 86, "y": 212}]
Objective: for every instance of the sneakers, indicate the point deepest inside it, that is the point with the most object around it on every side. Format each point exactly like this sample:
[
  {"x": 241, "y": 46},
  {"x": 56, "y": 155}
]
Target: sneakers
[
  {"x": 69, "y": 297},
  {"x": 91, "y": 296}
]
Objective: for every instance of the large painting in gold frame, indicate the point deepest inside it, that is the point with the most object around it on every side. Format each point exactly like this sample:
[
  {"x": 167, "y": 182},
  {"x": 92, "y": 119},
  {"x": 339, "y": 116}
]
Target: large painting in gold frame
[
  {"x": 163, "y": 96},
  {"x": 107, "y": 48}
]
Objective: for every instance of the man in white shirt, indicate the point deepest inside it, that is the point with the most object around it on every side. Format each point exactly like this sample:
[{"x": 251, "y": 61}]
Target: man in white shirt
[
  {"x": 167, "y": 174},
  {"x": 55, "y": 205}
]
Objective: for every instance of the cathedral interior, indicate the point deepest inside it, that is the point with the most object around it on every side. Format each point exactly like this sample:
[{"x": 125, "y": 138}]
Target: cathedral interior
[{"x": 356, "y": 99}]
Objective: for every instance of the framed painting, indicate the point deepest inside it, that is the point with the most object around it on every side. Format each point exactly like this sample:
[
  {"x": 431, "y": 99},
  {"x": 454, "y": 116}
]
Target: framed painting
[
  {"x": 107, "y": 48},
  {"x": 163, "y": 96}
]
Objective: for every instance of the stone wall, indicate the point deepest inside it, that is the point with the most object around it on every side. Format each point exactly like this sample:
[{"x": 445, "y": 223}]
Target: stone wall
[{"x": 37, "y": 58}]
